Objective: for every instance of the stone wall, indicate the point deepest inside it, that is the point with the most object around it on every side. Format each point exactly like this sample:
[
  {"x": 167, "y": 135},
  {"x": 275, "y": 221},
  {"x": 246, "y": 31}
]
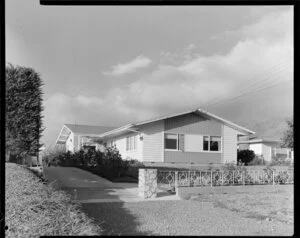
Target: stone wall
[{"x": 147, "y": 183}]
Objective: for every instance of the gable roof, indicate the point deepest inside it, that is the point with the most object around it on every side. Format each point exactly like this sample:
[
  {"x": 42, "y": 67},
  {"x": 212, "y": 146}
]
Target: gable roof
[
  {"x": 131, "y": 127},
  {"x": 88, "y": 129}
]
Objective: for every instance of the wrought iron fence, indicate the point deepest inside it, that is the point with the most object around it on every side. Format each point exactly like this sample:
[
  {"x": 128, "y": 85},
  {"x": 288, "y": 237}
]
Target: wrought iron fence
[{"x": 171, "y": 179}]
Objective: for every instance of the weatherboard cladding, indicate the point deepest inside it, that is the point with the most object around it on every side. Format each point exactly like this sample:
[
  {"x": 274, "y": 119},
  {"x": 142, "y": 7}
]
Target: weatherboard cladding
[
  {"x": 229, "y": 144},
  {"x": 192, "y": 157},
  {"x": 192, "y": 124},
  {"x": 153, "y": 141},
  {"x": 120, "y": 142}
]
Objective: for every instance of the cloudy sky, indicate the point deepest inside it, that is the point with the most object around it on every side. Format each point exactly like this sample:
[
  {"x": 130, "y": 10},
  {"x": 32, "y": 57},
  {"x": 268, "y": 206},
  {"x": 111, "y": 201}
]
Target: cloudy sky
[{"x": 110, "y": 65}]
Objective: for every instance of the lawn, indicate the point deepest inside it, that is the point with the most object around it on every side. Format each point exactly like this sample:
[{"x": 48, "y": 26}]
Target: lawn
[
  {"x": 33, "y": 209},
  {"x": 261, "y": 202}
]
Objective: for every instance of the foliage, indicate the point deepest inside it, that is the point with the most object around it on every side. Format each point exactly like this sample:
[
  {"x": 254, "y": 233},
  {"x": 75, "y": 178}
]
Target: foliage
[
  {"x": 34, "y": 209},
  {"x": 108, "y": 164},
  {"x": 133, "y": 168},
  {"x": 245, "y": 156},
  {"x": 50, "y": 155},
  {"x": 288, "y": 137},
  {"x": 258, "y": 160},
  {"x": 23, "y": 111},
  {"x": 280, "y": 159}
]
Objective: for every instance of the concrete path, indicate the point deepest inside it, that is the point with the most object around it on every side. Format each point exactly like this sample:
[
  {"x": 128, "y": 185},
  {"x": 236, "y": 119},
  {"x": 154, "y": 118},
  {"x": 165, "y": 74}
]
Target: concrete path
[{"x": 86, "y": 187}]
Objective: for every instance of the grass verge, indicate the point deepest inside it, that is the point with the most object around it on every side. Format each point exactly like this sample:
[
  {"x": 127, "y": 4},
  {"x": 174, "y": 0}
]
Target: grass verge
[
  {"x": 33, "y": 209},
  {"x": 261, "y": 202}
]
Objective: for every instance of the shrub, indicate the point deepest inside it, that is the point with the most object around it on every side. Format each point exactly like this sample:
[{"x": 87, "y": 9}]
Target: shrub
[
  {"x": 257, "y": 161},
  {"x": 133, "y": 168},
  {"x": 50, "y": 155},
  {"x": 108, "y": 164},
  {"x": 245, "y": 156},
  {"x": 280, "y": 159}
]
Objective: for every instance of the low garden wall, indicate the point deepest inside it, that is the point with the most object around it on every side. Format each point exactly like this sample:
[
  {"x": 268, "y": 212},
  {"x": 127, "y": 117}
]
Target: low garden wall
[{"x": 172, "y": 180}]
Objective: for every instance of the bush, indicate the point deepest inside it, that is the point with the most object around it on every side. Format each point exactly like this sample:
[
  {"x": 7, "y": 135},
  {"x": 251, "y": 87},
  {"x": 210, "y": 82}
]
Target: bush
[
  {"x": 257, "y": 161},
  {"x": 245, "y": 156},
  {"x": 280, "y": 159},
  {"x": 108, "y": 164},
  {"x": 133, "y": 168},
  {"x": 51, "y": 154}
]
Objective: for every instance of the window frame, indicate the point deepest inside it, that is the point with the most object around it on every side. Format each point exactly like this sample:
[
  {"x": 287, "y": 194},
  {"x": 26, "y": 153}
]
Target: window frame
[
  {"x": 209, "y": 139},
  {"x": 177, "y": 143},
  {"x": 128, "y": 143}
]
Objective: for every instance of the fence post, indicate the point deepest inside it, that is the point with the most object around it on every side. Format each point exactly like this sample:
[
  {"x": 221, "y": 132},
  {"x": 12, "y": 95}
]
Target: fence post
[
  {"x": 222, "y": 177},
  {"x": 273, "y": 176},
  {"x": 189, "y": 174},
  {"x": 243, "y": 177},
  {"x": 211, "y": 182},
  {"x": 233, "y": 177},
  {"x": 200, "y": 179},
  {"x": 176, "y": 180}
]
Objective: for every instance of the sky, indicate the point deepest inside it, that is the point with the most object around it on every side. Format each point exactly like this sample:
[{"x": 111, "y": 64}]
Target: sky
[{"x": 113, "y": 65}]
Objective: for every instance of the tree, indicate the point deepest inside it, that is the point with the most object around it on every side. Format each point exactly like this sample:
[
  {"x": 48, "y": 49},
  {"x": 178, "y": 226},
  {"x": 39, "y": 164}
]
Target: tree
[
  {"x": 288, "y": 137},
  {"x": 245, "y": 156},
  {"x": 23, "y": 111}
]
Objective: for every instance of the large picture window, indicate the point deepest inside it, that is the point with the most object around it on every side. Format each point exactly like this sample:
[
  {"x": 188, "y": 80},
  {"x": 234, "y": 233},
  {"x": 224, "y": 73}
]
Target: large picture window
[
  {"x": 212, "y": 143},
  {"x": 171, "y": 141},
  {"x": 131, "y": 143}
]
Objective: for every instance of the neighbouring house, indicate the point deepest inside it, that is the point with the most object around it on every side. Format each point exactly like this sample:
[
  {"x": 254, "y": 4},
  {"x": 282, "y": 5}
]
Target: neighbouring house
[
  {"x": 266, "y": 147},
  {"x": 194, "y": 136},
  {"x": 76, "y": 137}
]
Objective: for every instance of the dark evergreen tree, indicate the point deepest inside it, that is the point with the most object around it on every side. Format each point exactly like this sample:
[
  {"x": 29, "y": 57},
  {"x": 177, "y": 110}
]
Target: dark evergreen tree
[
  {"x": 288, "y": 137},
  {"x": 23, "y": 111}
]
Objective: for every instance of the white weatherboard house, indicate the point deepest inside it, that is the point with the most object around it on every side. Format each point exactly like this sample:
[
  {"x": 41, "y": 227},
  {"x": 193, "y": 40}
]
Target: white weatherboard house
[
  {"x": 266, "y": 147},
  {"x": 194, "y": 136},
  {"x": 76, "y": 137}
]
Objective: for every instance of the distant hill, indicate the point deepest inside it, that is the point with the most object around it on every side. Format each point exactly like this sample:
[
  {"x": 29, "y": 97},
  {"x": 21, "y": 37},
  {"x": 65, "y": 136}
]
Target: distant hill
[{"x": 273, "y": 128}]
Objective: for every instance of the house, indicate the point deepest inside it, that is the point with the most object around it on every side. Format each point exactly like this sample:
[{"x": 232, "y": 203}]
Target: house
[
  {"x": 195, "y": 136},
  {"x": 266, "y": 147},
  {"x": 76, "y": 137}
]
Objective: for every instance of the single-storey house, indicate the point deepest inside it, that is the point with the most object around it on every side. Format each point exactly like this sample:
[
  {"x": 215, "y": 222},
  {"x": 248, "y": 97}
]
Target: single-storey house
[
  {"x": 266, "y": 147},
  {"x": 75, "y": 137},
  {"x": 195, "y": 136}
]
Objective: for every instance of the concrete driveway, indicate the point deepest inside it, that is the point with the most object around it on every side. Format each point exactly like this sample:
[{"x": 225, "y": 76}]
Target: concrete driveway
[{"x": 86, "y": 187}]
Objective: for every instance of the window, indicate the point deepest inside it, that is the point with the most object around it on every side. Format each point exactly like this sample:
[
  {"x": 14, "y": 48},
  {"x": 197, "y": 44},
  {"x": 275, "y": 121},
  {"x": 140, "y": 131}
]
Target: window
[
  {"x": 171, "y": 141},
  {"x": 215, "y": 143},
  {"x": 89, "y": 147},
  {"x": 112, "y": 143},
  {"x": 212, "y": 143},
  {"x": 205, "y": 142},
  {"x": 131, "y": 143}
]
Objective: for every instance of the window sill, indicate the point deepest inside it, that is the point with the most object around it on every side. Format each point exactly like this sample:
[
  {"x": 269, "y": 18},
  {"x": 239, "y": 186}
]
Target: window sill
[
  {"x": 207, "y": 151},
  {"x": 173, "y": 150}
]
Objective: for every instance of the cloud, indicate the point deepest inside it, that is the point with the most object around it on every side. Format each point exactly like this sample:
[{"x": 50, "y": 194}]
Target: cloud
[
  {"x": 130, "y": 67},
  {"x": 262, "y": 56}
]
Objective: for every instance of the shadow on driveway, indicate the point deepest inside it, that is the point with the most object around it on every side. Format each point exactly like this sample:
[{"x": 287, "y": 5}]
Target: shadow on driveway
[
  {"x": 100, "y": 199},
  {"x": 114, "y": 219}
]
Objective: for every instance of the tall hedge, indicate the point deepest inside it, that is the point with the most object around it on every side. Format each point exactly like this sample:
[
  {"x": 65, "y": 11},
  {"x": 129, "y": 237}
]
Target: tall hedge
[{"x": 23, "y": 111}]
